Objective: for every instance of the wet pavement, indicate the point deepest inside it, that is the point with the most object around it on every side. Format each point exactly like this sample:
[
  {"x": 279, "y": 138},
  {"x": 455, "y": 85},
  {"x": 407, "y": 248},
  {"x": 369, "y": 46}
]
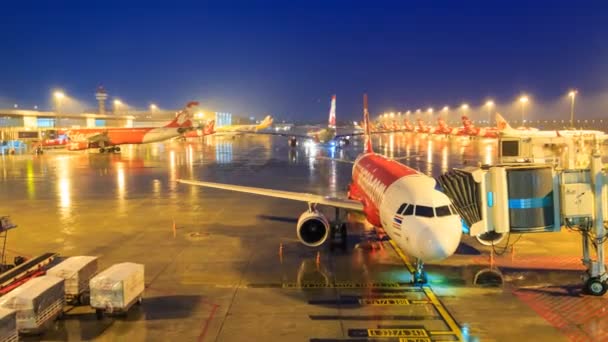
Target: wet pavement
[{"x": 228, "y": 267}]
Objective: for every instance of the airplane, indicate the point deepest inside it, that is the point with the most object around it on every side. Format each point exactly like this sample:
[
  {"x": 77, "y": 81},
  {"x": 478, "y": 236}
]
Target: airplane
[
  {"x": 405, "y": 203},
  {"x": 443, "y": 128},
  {"x": 202, "y": 131},
  {"x": 323, "y": 136},
  {"x": 468, "y": 129},
  {"x": 422, "y": 128},
  {"x": 230, "y": 130},
  {"x": 109, "y": 139},
  {"x": 408, "y": 127},
  {"x": 505, "y": 129}
]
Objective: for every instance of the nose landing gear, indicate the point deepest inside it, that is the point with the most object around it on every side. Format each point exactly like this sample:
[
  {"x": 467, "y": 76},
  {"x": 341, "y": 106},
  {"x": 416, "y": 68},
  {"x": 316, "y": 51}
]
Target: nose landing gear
[{"x": 419, "y": 276}]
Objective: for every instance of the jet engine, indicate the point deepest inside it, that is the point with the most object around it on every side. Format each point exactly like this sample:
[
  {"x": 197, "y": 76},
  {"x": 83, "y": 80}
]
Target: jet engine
[
  {"x": 312, "y": 228},
  {"x": 78, "y": 145}
]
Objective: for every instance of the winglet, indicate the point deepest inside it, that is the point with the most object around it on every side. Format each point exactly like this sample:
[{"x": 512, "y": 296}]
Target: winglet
[{"x": 368, "y": 139}]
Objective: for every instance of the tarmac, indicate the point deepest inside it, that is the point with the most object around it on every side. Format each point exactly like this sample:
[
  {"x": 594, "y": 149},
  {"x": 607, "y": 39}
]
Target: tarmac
[{"x": 222, "y": 266}]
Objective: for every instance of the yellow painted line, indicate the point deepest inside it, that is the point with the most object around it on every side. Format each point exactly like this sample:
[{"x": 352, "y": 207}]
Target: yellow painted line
[
  {"x": 441, "y": 332},
  {"x": 434, "y": 300},
  {"x": 414, "y": 339},
  {"x": 409, "y": 266},
  {"x": 420, "y": 302},
  {"x": 443, "y": 313},
  {"x": 341, "y": 285}
]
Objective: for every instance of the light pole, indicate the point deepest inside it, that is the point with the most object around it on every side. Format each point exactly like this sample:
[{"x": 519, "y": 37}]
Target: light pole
[
  {"x": 58, "y": 96},
  {"x": 572, "y": 95},
  {"x": 430, "y": 112},
  {"x": 489, "y": 105},
  {"x": 523, "y": 100},
  {"x": 117, "y": 104},
  {"x": 464, "y": 108}
]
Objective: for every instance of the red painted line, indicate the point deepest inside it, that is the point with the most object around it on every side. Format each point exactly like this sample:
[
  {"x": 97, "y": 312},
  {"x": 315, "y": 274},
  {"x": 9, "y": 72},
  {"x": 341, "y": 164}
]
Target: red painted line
[{"x": 207, "y": 321}]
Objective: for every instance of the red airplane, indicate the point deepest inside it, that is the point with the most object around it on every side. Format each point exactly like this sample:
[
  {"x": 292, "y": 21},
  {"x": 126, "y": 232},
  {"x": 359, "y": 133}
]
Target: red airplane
[
  {"x": 443, "y": 128},
  {"x": 200, "y": 132},
  {"x": 422, "y": 128},
  {"x": 404, "y": 202},
  {"x": 408, "y": 127},
  {"x": 110, "y": 139},
  {"x": 469, "y": 129}
]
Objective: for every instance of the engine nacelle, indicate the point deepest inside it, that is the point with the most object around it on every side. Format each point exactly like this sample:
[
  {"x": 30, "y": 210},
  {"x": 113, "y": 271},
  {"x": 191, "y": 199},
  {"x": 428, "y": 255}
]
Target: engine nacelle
[
  {"x": 78, "y": 145},
  {"x": 490, "y": 238},
  {"x": 312, "y": 228}
]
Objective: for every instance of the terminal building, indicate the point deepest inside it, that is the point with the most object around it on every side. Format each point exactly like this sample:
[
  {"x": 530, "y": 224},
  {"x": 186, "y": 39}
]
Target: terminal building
[{"x": 33, "y": 125}]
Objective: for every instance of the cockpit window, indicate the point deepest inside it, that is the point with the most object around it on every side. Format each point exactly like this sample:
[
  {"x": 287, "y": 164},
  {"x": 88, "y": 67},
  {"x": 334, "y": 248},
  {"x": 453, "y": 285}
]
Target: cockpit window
[
  {"x": 401, "y": 209},
  {"x": 444, "y": 210},
  {"x": 424, "y": 211},
  {"x": 409, "y": 210}
]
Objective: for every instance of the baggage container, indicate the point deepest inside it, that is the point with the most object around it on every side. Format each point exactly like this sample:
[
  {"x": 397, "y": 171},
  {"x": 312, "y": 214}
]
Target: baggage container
[
  {"x": 77, "y": 271},
  {"x": 37, "y": 303},
  {"x": 117, "y": 288},
  {"x": 8, "y": 325}
]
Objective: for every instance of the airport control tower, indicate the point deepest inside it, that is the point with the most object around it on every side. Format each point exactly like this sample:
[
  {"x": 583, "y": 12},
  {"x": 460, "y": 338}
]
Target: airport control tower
[{"x": 101, "y": 95}]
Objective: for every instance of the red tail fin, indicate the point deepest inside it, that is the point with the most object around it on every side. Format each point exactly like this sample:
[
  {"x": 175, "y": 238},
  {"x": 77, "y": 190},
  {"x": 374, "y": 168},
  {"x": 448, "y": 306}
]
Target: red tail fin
[
  {"x": 183, "y": 118},
  {"x": 368, "y": 138},
  {"x": 209, "y": 128}
]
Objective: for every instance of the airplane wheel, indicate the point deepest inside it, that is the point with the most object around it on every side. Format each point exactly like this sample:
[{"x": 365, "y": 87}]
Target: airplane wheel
[
  {"x": 117, "y": 149},
  {"x": 102, "y": 150},
  {"x": 595, "y": 287}
]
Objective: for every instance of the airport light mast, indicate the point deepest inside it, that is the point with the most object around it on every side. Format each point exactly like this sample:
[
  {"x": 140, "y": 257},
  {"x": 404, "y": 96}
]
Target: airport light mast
[
  {"x": 523, "y": 100},
  {"x": 572, "y": 95},
  {"x": 58, "y": 96},
  {"x": 489, "y": 105},
  {"x": 101, "y": 95}
]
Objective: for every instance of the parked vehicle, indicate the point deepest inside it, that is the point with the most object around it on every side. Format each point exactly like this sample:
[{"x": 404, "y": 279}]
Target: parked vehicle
[
  {"x": 77, "y": 271},
  {"x": 117, "y": 288}
]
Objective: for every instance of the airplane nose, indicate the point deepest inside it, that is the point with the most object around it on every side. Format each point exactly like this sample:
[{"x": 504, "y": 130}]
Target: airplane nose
[{"x": 440, "y": 238}]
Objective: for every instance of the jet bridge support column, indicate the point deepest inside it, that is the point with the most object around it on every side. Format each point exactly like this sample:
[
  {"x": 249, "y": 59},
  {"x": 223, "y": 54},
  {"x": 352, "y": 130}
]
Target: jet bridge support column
[{"x": 596, "y": 282}]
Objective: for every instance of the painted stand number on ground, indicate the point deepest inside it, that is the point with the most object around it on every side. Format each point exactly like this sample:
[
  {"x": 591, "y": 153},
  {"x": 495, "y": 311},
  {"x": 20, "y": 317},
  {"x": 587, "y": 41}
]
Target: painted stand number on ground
[
  {"x": 385, "y": 301},
  {"x": 397, "y": 333}
]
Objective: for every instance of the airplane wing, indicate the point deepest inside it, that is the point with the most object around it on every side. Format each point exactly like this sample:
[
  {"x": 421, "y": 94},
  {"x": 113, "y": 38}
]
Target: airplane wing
[{"x": 294, "y": 196}]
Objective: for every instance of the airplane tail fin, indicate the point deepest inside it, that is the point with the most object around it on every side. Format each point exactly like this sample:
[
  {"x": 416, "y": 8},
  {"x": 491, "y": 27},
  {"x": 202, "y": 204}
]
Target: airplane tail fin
[
  {"x": 209, "y": 128},
  {"x": 332, "y": 113},
  {"x": 465, "y": 121},
  {"x": 265, "y": 123},
  {"x": 502, "y": 124},
  {"x": 183, "y": 118},
  {"x": 441, "y": 123},
  {"x": 368, "y": 137}
]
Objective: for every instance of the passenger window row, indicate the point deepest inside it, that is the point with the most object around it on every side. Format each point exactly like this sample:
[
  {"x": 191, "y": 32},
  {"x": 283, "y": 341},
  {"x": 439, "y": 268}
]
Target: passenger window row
[{"x": 425, "y": 211}]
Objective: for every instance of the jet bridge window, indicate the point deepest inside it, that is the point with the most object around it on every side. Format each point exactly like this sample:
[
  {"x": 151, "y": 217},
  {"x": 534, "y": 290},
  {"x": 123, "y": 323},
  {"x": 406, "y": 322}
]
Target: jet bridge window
[
  {"x": 424, "y": 211},
  {"x": 443, "y": 210}
]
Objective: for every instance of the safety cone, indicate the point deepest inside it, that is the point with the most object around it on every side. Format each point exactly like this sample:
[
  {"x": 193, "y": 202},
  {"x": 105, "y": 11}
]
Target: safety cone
[
  {"x": 318, "y": 258},
  {"x": 174, "y": 229}
]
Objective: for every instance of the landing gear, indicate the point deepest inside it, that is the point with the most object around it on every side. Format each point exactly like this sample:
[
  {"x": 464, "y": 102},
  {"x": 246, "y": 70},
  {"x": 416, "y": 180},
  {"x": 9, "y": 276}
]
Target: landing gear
[
  {"x": 419, "y": 275},
  {"x": 112, "y": 149},
  {"x": 338, "y": 233},
  {"x": 594, "y": 286},
  {"x": 293, "y": 142}
]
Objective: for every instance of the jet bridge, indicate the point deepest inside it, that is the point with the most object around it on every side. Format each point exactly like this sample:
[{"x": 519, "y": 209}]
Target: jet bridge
[{"x": 524, "y": 196}]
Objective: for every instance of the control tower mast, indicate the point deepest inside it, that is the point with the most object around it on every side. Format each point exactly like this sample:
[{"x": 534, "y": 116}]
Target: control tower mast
[{"x": 101, "y": 95}]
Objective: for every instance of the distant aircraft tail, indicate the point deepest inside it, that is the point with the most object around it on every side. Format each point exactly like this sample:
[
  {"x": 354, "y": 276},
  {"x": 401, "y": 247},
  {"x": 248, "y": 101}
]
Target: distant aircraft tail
[
  {"x": 265, "y": 123},
  {"x": 332, "y": 113},
  {"x": 183, "y": 118},
  {"x": 441, "y": 123},
  {"x": 368, "y": 137},
  {"x": 466, "y": 122},
  {"x": 209, "y": 128},
  {"x": 502, "y": 125}
]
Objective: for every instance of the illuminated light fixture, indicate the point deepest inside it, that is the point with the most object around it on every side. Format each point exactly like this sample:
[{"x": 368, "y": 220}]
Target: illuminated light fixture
[
  {"x": 446, "y": 108},
  {"x": 153, "y": 106},
  {"x": 523, "y": 99},
  {"x": 430, "y": 110},
  {"x": 489, "y": 103},
  {"x": 59, "y": 95},
  {"x": 117, "y": 102},
  {"x": 464, "y": 106}
]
